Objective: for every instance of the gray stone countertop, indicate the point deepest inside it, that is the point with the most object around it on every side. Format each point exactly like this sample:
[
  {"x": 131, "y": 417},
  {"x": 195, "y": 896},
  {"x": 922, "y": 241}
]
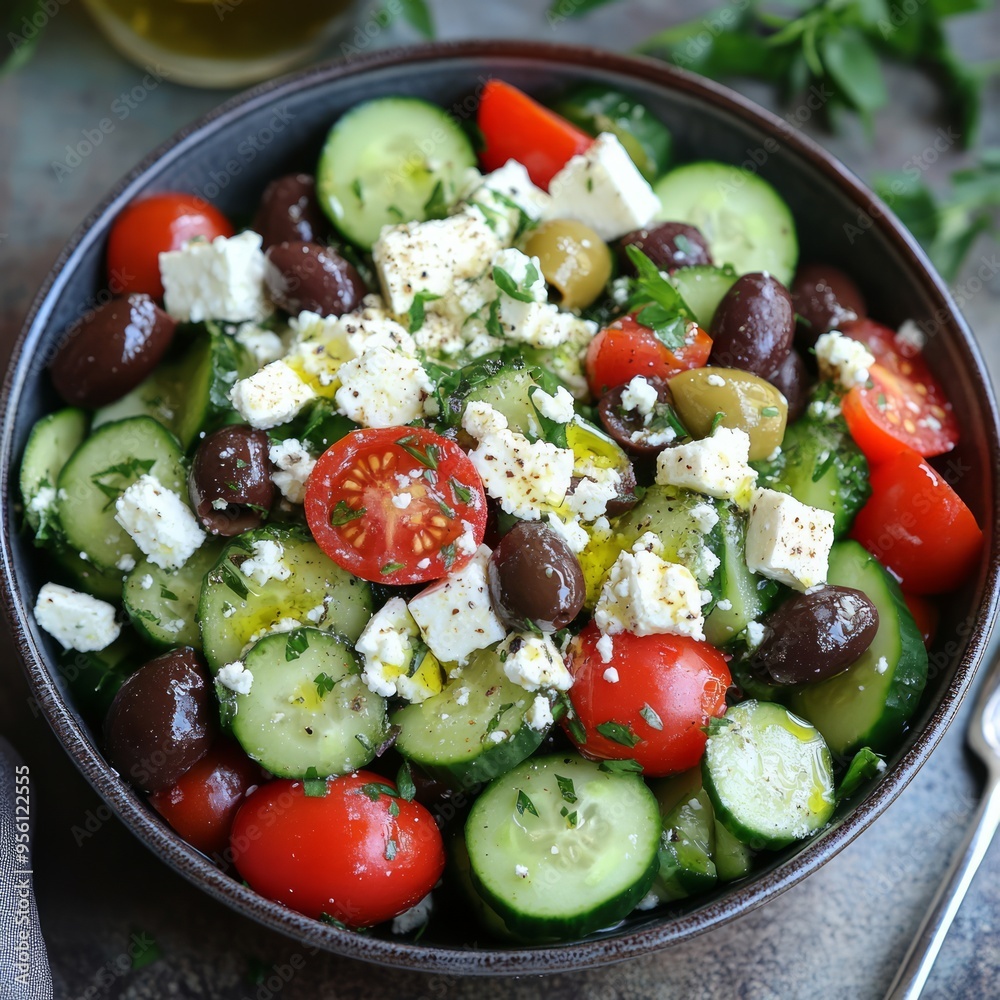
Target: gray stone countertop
[{"x": 839, "y": 934}]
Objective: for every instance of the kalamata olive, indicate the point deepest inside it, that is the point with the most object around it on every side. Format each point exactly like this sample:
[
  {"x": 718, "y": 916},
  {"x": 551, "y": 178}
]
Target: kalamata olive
[
  {"x": 792, "y": 381},
  {"x": 289, "y": 212},
  {"x": 534, "y": 576},
  {"x": 162, "y": 720},
  {"x": 746, "y": 401},
  {"x": 230, "y": 480},
  {"x": 669, "y": 245},
  {"x": 630, "y": 427},
  {"x": 626, "y": 498},
  {"x": 753, "y": 326},
  {"x": 574, "y": 259},
  {"x": 308, "y": 276},
  {"x": 824, "y": 297},
  {"x": 110, "y": 350},
  {"x": 814, "y": 636}
]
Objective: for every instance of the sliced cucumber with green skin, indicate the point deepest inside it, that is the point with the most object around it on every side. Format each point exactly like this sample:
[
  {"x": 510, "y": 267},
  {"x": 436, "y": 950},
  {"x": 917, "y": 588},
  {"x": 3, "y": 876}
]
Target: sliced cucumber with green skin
[
  {"x": 391, "y": 160},
  {"x": 871, "y": 701},
  {"x": 234, "y": 608},
  {"x": 307, "y": 712},
  {"x": 604, "y": 826},
  {"x": 733, "y": 859},
  {"x": 105, "y": 584},
  {"x": 688, "y": 842},
  {"x": 461, "y": 870},
  {"x": 100, "y": 470},
  {"x": 163, "y": 604},
  {"x": 769, "y": 775},
  {"x": 702, "y": 288},
  {"x": 743, "y": 596},
  {"x": 449, "y": 735},
  {"x": 744, "y": 220},
  {"x": 51, "y": 442}
]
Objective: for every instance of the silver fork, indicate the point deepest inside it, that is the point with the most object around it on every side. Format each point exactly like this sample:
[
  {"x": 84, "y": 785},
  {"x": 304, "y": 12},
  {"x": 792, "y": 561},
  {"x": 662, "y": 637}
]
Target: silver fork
[{"x": 984, "y": 739}]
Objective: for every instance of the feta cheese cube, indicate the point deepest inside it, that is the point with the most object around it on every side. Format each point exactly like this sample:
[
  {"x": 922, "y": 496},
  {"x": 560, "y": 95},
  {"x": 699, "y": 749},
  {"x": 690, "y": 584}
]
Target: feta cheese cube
[
  {"x": 606, "y": 650},
  {"x": 539, "y": 716},
  {"x": 455, "y": 615},
  {"x": 558, "y": 407},
  {"x": 592, "y": 494},
  {"x": 236, "y": 677},
  {"x": 159, "y": 522},
  {"x": 383, "y": 388},
  {"x": 506, "y": 199},
  {"x": 788, "y": 541},
  {"x": 270, "y": 397},
  {"x": 842, "y": 359},
  {"x": 574, "y": 534},
  {"x": 533, "y": 661},
  {"x": 264, "y": 345},
  {"x": 645, "y": 595},
  {"x": 523, "y": 475},
  {"x": 76, "y": 621},
  {"x": 223, "y": 280},
  {"x": 293, "y": 466},
  {"x": 604, "y": 189},
  {"x": 265, "y": 563},
  {"x": 717, "y": 465},
  {"x": 431, "y": 256}
]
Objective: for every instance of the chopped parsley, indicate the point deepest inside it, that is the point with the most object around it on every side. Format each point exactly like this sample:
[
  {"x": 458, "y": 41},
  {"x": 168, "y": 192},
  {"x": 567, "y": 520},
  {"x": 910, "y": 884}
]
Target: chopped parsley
[
  {"x": 618, "y": 733},
  {"x": 524, "y": 804},
  {"x": 323, "y": 681},
  {"x": 344, "y": 513}
]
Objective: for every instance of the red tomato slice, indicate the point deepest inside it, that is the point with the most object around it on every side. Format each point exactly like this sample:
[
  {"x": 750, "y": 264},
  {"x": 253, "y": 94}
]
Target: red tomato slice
[
  {"x": 918, "y": 527},
  {"x": 391, "y": 504},
  {"x": 906, "y": 404},
  {"x": 925, "y": 614},
  {"x": 515, "y": 127},
  {"x": 626, "y": 348},
  {"x": 668, "y": 687},
  {"x": 146, "y": 228},
  {"x": 358, "y": 854}
]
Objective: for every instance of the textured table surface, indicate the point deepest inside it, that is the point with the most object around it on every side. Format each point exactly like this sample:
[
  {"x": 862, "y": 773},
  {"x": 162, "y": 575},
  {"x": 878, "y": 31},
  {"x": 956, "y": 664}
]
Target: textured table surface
[{"x": 840, "y": 934}]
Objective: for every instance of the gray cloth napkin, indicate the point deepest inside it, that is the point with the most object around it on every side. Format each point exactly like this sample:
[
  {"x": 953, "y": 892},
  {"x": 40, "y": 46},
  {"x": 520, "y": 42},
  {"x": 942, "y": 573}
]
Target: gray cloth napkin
[{"x": 24, "y": 963}]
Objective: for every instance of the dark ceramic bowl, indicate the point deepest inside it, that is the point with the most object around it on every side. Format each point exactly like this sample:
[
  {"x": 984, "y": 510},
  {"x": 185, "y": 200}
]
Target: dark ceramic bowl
[{"x": 229, "y": 157}]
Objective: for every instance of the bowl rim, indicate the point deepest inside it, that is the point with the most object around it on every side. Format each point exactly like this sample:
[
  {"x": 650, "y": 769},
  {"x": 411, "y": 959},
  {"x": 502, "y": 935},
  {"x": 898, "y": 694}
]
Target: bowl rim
[{"x": 130, "y": 807}]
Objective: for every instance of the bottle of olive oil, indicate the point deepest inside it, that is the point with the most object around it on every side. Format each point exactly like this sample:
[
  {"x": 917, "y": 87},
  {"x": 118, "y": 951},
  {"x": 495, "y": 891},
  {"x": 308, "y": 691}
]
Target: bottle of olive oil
[{"x": 219, "y": 43}]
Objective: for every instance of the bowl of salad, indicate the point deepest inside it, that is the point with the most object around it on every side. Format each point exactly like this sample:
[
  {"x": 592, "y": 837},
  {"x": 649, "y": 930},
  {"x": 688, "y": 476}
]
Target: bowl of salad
[{"x": 497, "y": 507}]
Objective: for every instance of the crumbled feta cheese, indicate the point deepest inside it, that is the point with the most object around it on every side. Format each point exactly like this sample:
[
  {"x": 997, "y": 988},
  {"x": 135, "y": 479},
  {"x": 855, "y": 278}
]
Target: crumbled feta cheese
[
  {"x": 523, "y": 475},
  {"x": 270, "y": 397},
  {"x": 236, "y": 677},
  {"x": 146, "y": 582},
  {"x": 592, "y": 494},
  {"x": 843, "y": 359},
  {"x": 416, "y": 916},
  {"x": 641, "y": 397},
  {"x": 539, "y": 716},
  {"x": 558, "y": 407},
  {"x": 223, "y": 279},
  {"x": 648, "y": 902},
  {"x": 326, "y": 342},
  {"x": 266, "y": 564},
  {"x": 159, "y": 522},
  {"x": 126, "y": 564},
  {"x": 882, "y": 665},
  {"x": 431, "y": 256},
  {"x": 455, "y": 614},
  {"x": 604, "y": 189},
  {"x": 524, "y": 271},
  {"x": 717, "y": 465},
  {"x": 462, "y": 696},
  {"x": 402, "y": 500},
  {"x": 76, "y": 621},
  {"x": 717, "y": 380},
  {"x": 520, "y": 871},
  {"x": 725, "y": 605},
  {"x": 645, "y": 595},
  {"x": 466, "y": 544},
  {"x": 533, "y": 661},
  {"x": 278, "y": 625},
  {"x": 506, "y": 197},
  {"x": 383, "y": 388},
  {"x": 388, "y": 649},
  {"x": 497, "y": 736},
  {"x": 42, "y": 501},
  {"x": 606, "y": 649},
  {"x": 570, "y": 531},
  {"x": 787, "y": 540},
  {"x": 754, "y": 634},
  {"x": 264, "y": 346},
  {"x": 318, "y": 613},
  {"x": 293, "y": 466},
  {"x": 220, "y": 504},
  {"x": 912, "y": 336},
  {"x": 705, "y": 517}
]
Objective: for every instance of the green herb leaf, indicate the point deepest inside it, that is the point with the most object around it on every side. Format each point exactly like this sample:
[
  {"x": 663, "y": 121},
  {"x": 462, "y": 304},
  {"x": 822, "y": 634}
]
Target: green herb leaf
[
  {"x": 571, "y": 817},
  {"x": 417, "y": 312},
  {"x": 524, "y": 804},
  {"x": 566, "y": 788},
  {"x": 427, "y": 456},
  {"x": 436, "y": 206},
  {"x": 404, "y": 780},
  {"x": 233, "y": 580},
  {"x": 626, "y": 766},
  {"x": 323, "y": 681},
  {"x": 865, "y": 765},
  {"x": 462, "y": 492},
  {"x": 652, "y": 719},
  {"x": 296, "y": 644},
  {"x": 376, "y": 789},
  {"x": 717, "y": 725},
  {"x": 167, "y": 595},
  {"x": 390, "y": 849},
  {"x": 418, "y": 14},
  {"x": 511, "y": 288},
  {"x": 448, "y": 555},
  {"x": 769, "y": 411},
  {"x": 661, "y": 307},
  {"x": 313, "y": 785},
  {"x": 344, "y": 513},
  {"x": 716, "y": 420},
  {"x": 391, "y": 568},
  {"x": 618, "y": 733}
]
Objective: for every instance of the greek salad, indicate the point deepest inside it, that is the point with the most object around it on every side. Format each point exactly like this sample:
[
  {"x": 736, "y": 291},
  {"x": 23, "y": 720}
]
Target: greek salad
[{"x": 502, "y": 520}]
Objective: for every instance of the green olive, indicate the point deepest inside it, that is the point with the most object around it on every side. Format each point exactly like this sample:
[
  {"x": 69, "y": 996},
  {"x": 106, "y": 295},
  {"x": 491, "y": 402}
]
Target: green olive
[
  {"x": 575, "y": 260},
  {"x": 745, "y": 401}
]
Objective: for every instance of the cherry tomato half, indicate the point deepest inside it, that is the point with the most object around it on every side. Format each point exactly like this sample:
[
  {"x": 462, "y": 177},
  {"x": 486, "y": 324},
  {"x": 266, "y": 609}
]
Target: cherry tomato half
[
  {"x": 668, "y": 687},
  {"x": 917, "y": 526},
  {"x": 146, "y": 228},
  {"x": 203, "y": 802},
  {"x": 515, "y": 127},
  {"x": 357, "y": 854},
  {"x": 626, "y": 348},
  {"x": 906, "y": 404},
  {"x": 391, "y": 504}
]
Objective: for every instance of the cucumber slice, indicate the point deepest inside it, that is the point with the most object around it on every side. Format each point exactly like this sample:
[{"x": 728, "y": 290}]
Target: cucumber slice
[
  {"x": 51, "y": 442},
  {"x": 234, "y": 608},
  {"x": 871, "y": 701},
  {"x": 688, "y": 841},
  {"x": 461, "y": 869},
  {"x": 105, "y": 584},
  {"x": 163, "y": 604},
  {"x": 308, "y": 713},
  {"x": 743, "y": 596},
  {"x": 105, "y": 465},
  {"x": 391, "y": 160},
  {"x": 94, "y": 678},
  {"x": 702, "y": 288},
  {"x": 605, "y": 827},
  {"x": 733, "y": 859},
  {"x": 769, "y": 775},
  {"x": 743, "y": 218},
  {"x": 448, "y": 735}
]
